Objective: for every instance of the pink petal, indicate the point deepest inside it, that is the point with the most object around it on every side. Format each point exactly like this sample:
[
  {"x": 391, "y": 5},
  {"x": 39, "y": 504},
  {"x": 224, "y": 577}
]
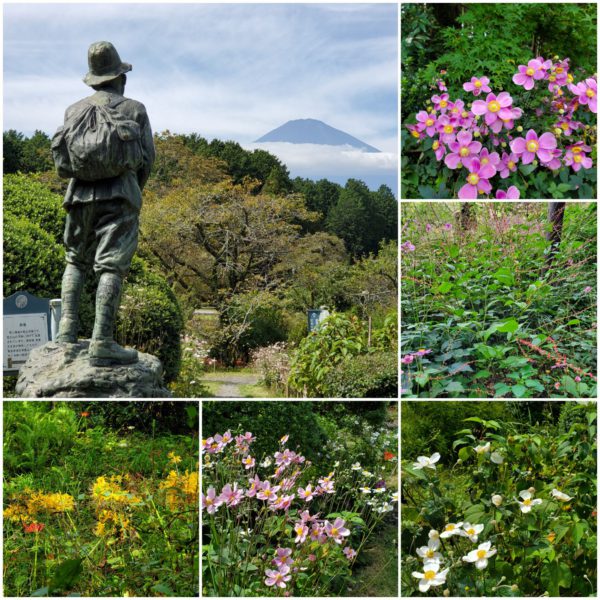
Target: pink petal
[
  {"x": 485, "y": 185},
  {"x": 468, "y": 87},
  {"x": 485, "y": 88},
  {"x": 501, "y": 195},
  {"x": 529, "y": 84},
  {"x": 484, "y": 81},
  {"x": 479, "y": 107},
  {"x": 505, "y": 113},
  {"x": 475, "y": 147},
  {"x": 544, "y": 155},
  {"x": 586, "y": 161},
  {"x": 464, "y": 138},
  {"x": 496, "y": 126},
  {"x": 454, "y": 146},
  {"x": 475, "y": 165},
  {"x": 547, "y": 141},
  {"x": 518, "y": 145},
  {"x": 467, "y": 192},
  {"x": 504, "y": 99},
  {"x": 520, "y": 78},
  {"x": 527, "y": 157},
  {"x": 594, "y": 104},
  {"x": 487, "y": 171},
  {"x": 490, "y": 118},
  {"x": 452, "y": 160},
  {"x": 513, "y": 193},
  {"x": 531, "y": 135}
]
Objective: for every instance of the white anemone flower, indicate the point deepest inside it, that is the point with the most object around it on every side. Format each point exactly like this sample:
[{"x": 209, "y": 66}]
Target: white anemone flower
[
  {"x": 561, "y": 496},
  {"x": 528, "y": 501},
  {"x": 431, "y": 576},
  {"x": 429, "y": 552},
  {"x": 451, "y": 529},
  {"x": 481, "y": 555},
  {"x": 472, "y": 531},
  {"x": 482, "y": 449},
  {"x": 496, "y": 458},
  {"x": 497, "y": 499},
  {"x": 423, "y": 461}
]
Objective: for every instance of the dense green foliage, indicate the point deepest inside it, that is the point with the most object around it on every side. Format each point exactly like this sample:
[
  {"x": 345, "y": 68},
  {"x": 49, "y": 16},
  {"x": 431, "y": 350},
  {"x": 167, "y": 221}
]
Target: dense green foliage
[
  {"x": 27, "y": 155},
  {"x": 96, "y": 511},
  {"x": 333, "y": 346},
  {"x": 484, "y": 311},
  {"x": 528, "y": 492}
]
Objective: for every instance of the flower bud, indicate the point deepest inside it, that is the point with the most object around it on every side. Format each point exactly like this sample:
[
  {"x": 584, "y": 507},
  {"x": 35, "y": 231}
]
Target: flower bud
[
  {"x": 561, "y": 111},
  {"x": 503, "y": 144},
  {"x": 557, "y": 131},
  {"x": 476, "y": 134},
  {"x": 535, "y": 163},
  {"x": 531, "y": 490},
  {"x": 446, "y": 593},
  {"x": 519, "y": 128},
  {"x": 496, "y": 499},
  {"x": 514, "y": 587}
]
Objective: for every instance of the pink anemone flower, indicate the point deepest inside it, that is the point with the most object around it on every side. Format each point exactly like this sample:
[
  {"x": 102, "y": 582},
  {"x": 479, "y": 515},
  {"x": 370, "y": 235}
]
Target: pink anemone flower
[
  {"x": 277, "y": 578},
  {"x": 463, "y": 150},
  {"x": 528, "y": 148},
  {"x": 477, "y": 180},
  {"x": 337, "y": 531},
  {"x": 495, "y": 108},
  {"x": 588, "y": 93},
  {"x": 508, "y": 164},
  {"x": 211, "y": 501},
  {"x": 426, "y": 122},
  {"x": 439, "y": 149},
  {"x": 527, "y": 74},
  {"x": 446, "y": 129},
  {"x": 576, "y": 158},
  {"x": 440, "y": 102},
  {"x": 477, "y": 85}
]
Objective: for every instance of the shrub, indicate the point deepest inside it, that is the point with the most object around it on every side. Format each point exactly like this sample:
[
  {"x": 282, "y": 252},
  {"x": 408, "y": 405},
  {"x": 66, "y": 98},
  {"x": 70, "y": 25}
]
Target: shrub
[
  {"x": 264, "y": 419},
  {"x": 33, "y": 260},
  {"x": 24, "y": 196},
  {"x": 364, "y": 376},
  {"x": 150, "y": 318},
  {"x": 430, "y": 426},
  {"x": 35, "y": 436}
]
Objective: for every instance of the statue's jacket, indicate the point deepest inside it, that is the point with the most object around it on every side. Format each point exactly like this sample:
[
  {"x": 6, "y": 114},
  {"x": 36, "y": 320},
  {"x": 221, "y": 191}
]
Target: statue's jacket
[{"x": 128, "y": 186}]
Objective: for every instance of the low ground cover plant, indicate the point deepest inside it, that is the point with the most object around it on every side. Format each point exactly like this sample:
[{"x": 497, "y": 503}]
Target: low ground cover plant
[
  {"x": 92, "y": 512},
  {"x": 514, "y": 515},
  {"x": 534, "y": 137},
  {"x": 492, "y": 308},
  {"x": 277, "y": 524}
]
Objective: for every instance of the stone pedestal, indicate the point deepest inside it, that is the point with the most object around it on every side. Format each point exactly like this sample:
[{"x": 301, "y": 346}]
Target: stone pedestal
[{"x": 64, "y": 371}]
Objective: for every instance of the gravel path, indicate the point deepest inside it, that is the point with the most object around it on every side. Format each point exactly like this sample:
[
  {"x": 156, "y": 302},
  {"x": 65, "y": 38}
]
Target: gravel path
[{"x": 230, "y": 383}]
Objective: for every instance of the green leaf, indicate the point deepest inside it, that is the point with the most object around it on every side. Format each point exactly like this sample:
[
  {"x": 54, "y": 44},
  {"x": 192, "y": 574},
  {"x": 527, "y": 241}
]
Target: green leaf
[
  {"x": 577, "y": 532},
  {"x": 422, "y": 378},
  {"x": 504, "y": 276},
  {"x": 161, "y": 588},
  {"x": 518, "y": 390},
  {"x": 464, "y": 453},
  {"x": 455, "y": 386},
  {"x": 41, "y": 592},
  {"x": 444, "y": 287},
  {"x": 66, "y": 574},
  {"x": 527, "y": 169},
  {"x": 555, "y": 575},
  {"x": 509, "y": 326}
]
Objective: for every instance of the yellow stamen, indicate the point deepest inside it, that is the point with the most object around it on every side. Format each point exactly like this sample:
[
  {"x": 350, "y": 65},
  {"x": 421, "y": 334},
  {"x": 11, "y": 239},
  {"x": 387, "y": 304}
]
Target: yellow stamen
[
  {"x": 481, "y": 554},
  {"x": 429, "y": 574},
  {"x": 494, "y": 106}
]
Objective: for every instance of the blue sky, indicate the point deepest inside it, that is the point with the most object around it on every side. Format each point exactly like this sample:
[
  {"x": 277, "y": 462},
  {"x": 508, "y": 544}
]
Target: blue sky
[{"x": 230, "y": 71}]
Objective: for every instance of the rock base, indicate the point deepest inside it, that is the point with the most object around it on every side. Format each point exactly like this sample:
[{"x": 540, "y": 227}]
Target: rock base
[{"x": 64, "y": 371}]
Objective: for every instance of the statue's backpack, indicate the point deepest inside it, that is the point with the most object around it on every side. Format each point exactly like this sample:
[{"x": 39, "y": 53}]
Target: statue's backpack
[{"x": 97, "y": 142}]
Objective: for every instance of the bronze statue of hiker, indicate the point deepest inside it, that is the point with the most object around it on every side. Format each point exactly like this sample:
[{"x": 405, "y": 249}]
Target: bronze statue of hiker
[{"x": 106, "y": 149}]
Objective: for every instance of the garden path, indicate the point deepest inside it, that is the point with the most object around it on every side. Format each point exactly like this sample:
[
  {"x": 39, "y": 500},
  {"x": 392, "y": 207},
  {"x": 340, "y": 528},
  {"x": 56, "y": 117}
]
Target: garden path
[{"x": 229, "y": 383}]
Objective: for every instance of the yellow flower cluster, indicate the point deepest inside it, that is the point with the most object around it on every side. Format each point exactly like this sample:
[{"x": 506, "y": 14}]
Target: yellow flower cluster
[
  {"x": 181, "y": 490},
  {"x": 174, "y": 458},
  {"x": 112, "y": 503},
  {"x": 31, "y": 503}
]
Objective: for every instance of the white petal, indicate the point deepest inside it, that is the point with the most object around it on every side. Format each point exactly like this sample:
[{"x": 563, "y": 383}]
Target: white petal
[
  {"x": 417, "y": 466},
  {"x": 485, "y": 546},
  {"x": 481, "y": 564},
  {"x": 424, "y": 585},
  {"x": 492, "y": 552},
  {"x": 525, "y": 494},
  {"x": 423, "y": 460},
  {"x": 434, "y": 543},
  {"x": 536, "y": 501},
  {"x": 418, "y": 575},
  {"x": 479, "y": 528},
  {"x": 524, "y": 508},
  {"x": 422, "y": 551},
  {"x": 435, "y": 457},
  {"x": 431, "y": 565}
]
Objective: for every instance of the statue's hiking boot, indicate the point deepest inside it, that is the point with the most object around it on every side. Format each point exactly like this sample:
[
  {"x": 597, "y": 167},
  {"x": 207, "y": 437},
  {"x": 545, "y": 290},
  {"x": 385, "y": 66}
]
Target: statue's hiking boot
[
  {"x": 67, "y": 331},
  {"x": 104, "y": 353}
]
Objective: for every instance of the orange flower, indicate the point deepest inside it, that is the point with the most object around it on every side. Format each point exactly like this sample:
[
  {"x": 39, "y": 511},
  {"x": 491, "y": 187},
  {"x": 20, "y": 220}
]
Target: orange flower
[
  {"x": 85, "y": 413},
  {"x": 550, "y": 537},
  {"x": 388, "y": 455},
  {"x": 33, "y": 527}
]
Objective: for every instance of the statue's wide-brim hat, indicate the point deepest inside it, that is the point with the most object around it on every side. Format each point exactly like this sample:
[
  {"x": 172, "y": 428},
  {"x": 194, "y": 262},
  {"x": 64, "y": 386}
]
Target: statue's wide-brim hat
[{"x": 104, "y": 63}]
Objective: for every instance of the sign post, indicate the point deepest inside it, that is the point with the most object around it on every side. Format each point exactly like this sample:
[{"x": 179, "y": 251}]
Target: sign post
[
  {"x": 26, "y": 326},
  {"x": 315, "y": 317}
]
